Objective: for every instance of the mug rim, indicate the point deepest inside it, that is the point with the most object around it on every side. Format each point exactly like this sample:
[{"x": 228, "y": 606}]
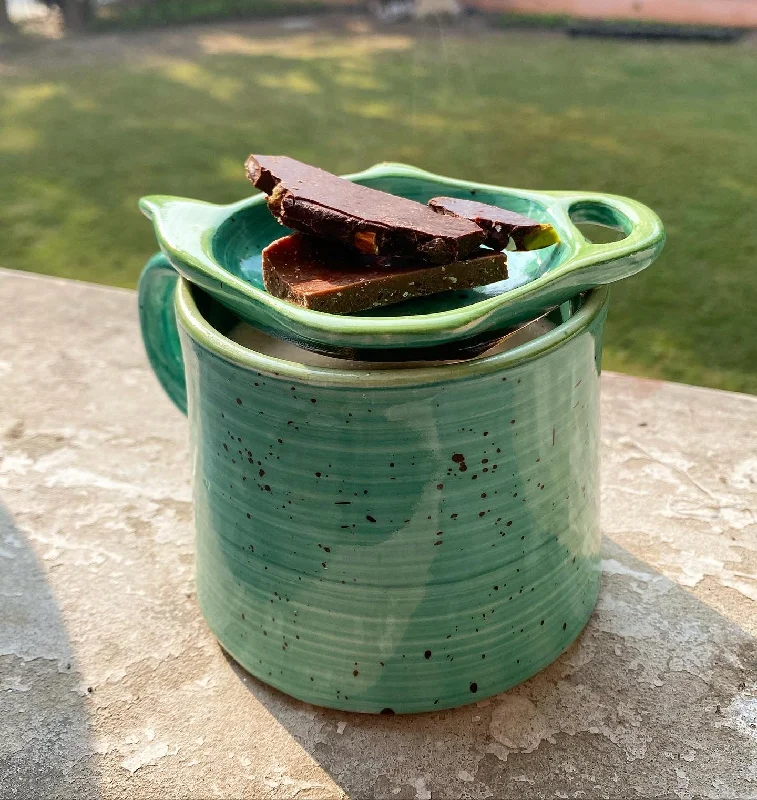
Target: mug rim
[{"x": 192, "y": 322}]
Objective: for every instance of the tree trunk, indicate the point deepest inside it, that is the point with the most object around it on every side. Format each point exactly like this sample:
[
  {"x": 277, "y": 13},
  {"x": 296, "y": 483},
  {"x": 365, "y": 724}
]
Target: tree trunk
[
  {"x": 5, "y": 22},
  {"x": 76, "y": 14}
]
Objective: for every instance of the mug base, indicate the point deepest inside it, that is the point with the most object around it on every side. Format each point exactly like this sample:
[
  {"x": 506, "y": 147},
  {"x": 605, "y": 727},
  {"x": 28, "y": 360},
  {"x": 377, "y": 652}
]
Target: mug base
[{"x": 415, "y": 702}]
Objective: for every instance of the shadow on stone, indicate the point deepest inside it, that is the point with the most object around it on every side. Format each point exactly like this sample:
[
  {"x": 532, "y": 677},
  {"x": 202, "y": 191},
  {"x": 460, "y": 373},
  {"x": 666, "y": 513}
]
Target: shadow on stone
[
  {"x": 45, "y": 735},
  {"x": 655, "y": 698}
]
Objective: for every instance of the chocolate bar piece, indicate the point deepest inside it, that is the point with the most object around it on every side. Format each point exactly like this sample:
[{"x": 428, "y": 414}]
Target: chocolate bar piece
[
  {"x": 327, "y": 276},
  {"x": 499, "y": 224},
  {"x": 311, "y": 200}
]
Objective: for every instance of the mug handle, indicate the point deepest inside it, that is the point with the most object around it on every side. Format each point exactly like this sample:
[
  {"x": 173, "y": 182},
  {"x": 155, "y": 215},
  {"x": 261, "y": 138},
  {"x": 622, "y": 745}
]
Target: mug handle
[{"x": 160, "y": 333}]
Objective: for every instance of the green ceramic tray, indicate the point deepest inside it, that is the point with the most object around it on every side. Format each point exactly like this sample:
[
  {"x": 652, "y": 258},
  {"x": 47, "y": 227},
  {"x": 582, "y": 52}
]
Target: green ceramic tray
[{"x": 219, "y": 247}]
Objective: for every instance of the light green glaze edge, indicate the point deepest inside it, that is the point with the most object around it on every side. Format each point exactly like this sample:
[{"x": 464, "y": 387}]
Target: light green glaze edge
[{"x": 185, "y": 230}]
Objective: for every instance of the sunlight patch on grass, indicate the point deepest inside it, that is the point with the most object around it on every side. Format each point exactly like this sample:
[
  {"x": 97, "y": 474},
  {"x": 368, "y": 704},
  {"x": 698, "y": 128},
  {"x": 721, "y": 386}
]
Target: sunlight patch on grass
[
  {"x": 604, "y": 144},
  {"x": 355, "y": 80},
  {"x": 230, "y": 169},
  {"x": 194, "y": 76},
  {"x": 22, "y": 99},
  {"x": 435, "y": 122},
  {"x": 292, "y": 81},
  {"x": 83, "y": 104},
  {"x": 384, "y": 110},
  {"x": 18, "y": 139},
  {"x": 304, "y": 47},
  {"x": 375, "y": 109}
]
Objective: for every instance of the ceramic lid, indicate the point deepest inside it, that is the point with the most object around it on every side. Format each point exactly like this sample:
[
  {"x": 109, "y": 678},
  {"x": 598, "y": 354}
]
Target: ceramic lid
[{"x": 219, "y": 248}]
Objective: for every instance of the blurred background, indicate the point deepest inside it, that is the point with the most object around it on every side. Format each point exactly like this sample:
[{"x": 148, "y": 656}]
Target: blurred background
[{"x": 104, "y": 101}]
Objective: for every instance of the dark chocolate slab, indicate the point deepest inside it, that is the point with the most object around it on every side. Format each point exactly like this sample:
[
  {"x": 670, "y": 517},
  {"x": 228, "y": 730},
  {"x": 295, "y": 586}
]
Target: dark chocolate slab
[
  {"x": 314, "y": 201},
  {"x": 327, "y": 276},
  {"x": 499, "y": 224}
]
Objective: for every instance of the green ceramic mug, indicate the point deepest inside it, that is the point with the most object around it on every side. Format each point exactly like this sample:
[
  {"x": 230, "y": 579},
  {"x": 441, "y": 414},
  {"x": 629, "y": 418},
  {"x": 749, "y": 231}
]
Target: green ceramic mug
[{"x": 391, "y": 540}]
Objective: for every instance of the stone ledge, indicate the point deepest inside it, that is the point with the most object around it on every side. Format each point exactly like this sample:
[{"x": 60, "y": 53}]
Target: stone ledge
[{"x": 111, "y": 686}]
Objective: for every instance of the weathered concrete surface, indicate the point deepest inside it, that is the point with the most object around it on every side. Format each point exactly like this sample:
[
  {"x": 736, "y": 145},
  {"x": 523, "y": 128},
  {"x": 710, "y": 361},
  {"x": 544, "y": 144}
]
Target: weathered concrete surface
[{"x": 111, "y": 686}]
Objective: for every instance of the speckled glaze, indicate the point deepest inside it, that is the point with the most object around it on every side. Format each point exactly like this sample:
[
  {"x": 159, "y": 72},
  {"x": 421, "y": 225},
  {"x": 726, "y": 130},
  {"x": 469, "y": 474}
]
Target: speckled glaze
[
  {"x": 219, "y": 248},
  {"x": 389, "y": 541}
]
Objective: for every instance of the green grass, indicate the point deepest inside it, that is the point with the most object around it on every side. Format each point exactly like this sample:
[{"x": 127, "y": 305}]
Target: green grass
[
  {"x": 538, "y": 21},
  {"x": 671, "y": 125},
  {"x": 171, "y": 12}
]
